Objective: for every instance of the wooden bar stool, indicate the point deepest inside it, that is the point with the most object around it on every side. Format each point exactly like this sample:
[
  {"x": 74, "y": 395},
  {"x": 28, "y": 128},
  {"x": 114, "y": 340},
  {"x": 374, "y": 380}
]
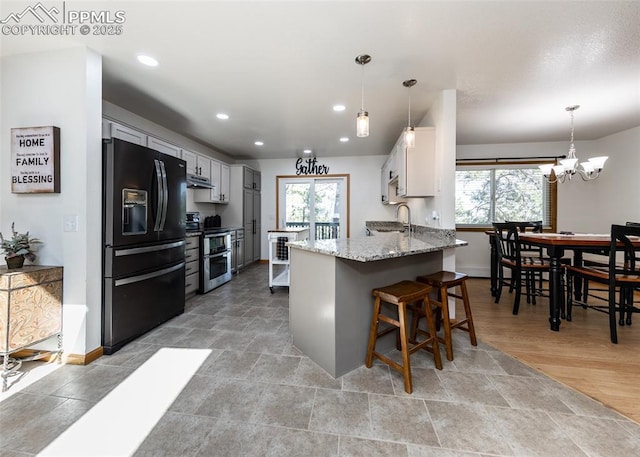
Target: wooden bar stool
[
  {"x": 402, "y": 294},
  {"x": 443, "y": 281}
]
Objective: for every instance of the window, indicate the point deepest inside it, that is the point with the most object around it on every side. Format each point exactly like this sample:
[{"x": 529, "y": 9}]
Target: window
[{"x": 503, "y": 192}]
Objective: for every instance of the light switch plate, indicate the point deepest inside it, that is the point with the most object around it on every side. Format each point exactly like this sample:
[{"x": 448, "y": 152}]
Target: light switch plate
[{"x": 70, "y": 222}]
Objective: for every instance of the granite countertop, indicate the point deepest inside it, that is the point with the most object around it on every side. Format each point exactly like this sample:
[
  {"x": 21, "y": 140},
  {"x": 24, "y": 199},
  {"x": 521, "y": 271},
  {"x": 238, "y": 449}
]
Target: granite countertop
[
  {"x": 188, "y": 234},
  {"x": 384, "y": 245}
]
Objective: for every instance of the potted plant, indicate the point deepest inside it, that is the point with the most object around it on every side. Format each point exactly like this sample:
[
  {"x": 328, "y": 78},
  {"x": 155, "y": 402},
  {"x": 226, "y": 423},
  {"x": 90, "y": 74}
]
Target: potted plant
[{"x": 19, "y": 247}]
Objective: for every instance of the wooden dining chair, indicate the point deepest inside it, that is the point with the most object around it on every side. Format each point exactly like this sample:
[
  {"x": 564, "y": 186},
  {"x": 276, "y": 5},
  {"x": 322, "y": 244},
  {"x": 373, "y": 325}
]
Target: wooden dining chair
[
  {"x": 527, "y": 250},
  {"x": 597, "y": 259},
  {"x": 622, "y": 277},
  {"x": 523, "y": 268}
]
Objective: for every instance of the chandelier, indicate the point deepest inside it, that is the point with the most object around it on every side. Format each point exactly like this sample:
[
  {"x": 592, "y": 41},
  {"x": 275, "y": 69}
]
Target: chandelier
[{"x": 569, "y": 166}]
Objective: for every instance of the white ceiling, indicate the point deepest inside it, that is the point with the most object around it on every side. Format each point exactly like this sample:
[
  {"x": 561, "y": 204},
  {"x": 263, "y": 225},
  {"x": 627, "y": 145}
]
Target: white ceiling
[{"x": 277, "y": 68}]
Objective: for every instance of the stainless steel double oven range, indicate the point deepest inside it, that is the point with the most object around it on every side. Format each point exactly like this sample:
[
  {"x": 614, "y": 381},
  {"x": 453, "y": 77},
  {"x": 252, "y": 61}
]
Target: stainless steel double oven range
[{"x": 215, "y": 258}]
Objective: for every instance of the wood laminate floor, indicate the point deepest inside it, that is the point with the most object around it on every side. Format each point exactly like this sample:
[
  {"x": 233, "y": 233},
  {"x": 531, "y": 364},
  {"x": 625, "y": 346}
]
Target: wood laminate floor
[{"x": 580, "y": 355}]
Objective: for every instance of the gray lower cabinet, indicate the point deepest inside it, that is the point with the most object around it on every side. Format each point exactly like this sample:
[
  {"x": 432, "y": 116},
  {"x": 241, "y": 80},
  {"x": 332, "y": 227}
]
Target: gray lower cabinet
[
  {"x": 237, "y": 247},
  {"x": 240, "y": 253},
  {"x": 192, "y": 267}
]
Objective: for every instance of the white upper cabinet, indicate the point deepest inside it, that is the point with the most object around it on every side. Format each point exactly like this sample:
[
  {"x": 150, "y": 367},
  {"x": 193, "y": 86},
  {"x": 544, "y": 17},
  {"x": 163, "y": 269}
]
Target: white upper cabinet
[
  {"x": 163, "y": 146},
  {"x": 224, "y": 183},
  {"x": 127, "y": 134},
  {"x": 192, "y": 161},
  {"x": 215, "y": 180},
  {"x": 197, "y": 164},
  {"x": 411, "y": 170},
  {"x": 385, "y": 177},
  {"x": 220, "y": 180},
  {"x": 418, "y": 165},
  {"x": 204, "y": 167}
]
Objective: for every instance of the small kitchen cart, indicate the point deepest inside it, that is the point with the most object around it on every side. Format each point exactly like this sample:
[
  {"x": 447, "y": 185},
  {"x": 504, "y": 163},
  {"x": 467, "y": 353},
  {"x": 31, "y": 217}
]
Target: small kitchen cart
[{"x": 279, "y": 254}]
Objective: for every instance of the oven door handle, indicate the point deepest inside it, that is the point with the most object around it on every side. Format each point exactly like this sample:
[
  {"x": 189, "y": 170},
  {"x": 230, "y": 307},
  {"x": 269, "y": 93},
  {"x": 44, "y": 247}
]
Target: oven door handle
[{"x": 218, "y": 254}]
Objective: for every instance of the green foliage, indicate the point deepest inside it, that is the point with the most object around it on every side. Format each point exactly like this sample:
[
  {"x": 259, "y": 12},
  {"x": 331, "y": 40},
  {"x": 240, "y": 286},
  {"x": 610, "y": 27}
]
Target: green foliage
[
  {"x": 19, "y": 244},
  {"x": 326, "y": 201},
  {"x": 487, "y": 195}
]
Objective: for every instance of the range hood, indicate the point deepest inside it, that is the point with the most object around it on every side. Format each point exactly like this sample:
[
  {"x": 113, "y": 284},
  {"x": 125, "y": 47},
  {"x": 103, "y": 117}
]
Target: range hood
[{"x": 198, "y": 182}]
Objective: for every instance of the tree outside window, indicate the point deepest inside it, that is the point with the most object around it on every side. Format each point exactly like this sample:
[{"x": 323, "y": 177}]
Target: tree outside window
[{"x": 487, "y": 194}]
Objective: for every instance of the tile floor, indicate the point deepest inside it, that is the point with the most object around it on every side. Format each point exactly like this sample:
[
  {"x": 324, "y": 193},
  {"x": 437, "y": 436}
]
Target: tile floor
[{"x": 257, "y": 395}]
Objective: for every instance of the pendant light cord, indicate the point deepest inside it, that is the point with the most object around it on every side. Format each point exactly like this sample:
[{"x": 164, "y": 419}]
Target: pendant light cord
[
  {"x": 409, "y": 125},
  {"x": 362, "y": 89}
]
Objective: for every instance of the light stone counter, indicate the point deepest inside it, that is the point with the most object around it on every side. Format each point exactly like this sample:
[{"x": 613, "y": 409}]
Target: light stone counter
[
  {"x": 380, "y": 246},
  {"x": 330, "y": 301}
]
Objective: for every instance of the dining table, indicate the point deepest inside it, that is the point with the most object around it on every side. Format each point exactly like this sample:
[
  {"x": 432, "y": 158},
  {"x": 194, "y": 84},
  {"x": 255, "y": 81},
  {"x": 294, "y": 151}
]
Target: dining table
[{"x": 556, "y": 244}]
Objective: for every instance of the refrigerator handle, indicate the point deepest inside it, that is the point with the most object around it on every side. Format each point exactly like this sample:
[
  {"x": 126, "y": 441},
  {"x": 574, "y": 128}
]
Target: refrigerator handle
[
  {"x": 145, "y": 277},
  {"x": 146, "y": 249},
  {"x": 156, "y": 226},
  {"x": 165, "y": 195}
]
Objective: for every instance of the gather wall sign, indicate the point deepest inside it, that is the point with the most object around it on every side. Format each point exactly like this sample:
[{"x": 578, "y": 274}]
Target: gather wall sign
[
  {"x": 35, "y": 160},
  {"x": 310, "y": 167}
]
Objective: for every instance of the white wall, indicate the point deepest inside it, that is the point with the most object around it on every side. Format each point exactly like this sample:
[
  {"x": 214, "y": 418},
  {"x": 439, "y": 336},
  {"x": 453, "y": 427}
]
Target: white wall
[
  {"x": 364, "y": 190},
  {"x": 442, "y": 115},
  {"x": 64, "y": 89},
  {"x": 589, "y": 207},
  {"x": 611, "y": 199}
]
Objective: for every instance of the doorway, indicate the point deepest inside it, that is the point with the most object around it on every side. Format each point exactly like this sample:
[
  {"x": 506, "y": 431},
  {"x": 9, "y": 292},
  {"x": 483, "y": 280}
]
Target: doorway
[{"x": 318, "y": 203}]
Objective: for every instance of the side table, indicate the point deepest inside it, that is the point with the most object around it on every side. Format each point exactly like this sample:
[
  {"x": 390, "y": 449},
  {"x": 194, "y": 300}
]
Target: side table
[{"x": 30, "y": 312}]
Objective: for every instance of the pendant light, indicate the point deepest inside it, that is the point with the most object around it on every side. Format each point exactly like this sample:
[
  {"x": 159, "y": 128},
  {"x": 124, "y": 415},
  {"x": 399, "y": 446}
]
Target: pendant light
[
  {"x": 362, "y": 121},
  {"x": 409, "y": 132}
]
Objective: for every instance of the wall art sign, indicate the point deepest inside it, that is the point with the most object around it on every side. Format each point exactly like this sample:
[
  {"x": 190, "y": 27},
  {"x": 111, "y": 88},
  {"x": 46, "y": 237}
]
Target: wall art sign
[
  {"x": 310, "y": 167},
  {"x": 35, "y": 160}
]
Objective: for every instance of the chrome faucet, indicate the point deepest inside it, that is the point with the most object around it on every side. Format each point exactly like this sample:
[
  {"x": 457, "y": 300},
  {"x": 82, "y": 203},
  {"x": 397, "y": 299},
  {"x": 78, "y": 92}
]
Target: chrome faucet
[{"x": 408, "y": 214}]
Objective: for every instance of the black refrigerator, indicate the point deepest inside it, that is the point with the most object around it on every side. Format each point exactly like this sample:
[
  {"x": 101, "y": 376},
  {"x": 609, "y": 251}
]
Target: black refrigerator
[{"x": 144, "y": 215}]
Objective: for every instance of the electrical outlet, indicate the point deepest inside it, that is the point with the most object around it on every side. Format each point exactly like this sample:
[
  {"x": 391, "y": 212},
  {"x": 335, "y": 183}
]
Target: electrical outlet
[{"x": 70, "y": 222}]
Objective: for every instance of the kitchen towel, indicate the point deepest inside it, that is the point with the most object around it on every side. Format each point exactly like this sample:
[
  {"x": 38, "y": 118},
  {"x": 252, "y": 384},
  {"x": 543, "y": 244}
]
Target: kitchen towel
[{"x": 281, "y": 248}]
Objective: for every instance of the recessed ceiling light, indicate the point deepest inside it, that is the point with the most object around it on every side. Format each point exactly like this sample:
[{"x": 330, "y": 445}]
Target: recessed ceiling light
[
  {"x": 339, "y": 107},
  {"x": 259, "y": 143},
  {"x": 222, "y": 116},
  {"x": 307, "y": 151},
  {"x": 344, "y": 139},
  {"x": 147, "y": 60}
]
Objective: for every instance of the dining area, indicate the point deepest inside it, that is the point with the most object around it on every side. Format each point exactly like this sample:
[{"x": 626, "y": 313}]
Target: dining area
[{"x": 598, "y": 272}]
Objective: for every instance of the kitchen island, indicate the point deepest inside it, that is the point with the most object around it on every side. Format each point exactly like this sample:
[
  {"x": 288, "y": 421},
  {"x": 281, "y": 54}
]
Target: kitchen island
[{"x": 330, "y": 301}]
